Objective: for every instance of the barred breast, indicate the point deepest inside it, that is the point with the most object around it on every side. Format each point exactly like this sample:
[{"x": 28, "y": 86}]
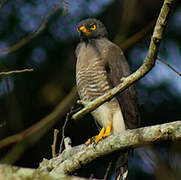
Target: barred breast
[{"x": 92, "y": 81}]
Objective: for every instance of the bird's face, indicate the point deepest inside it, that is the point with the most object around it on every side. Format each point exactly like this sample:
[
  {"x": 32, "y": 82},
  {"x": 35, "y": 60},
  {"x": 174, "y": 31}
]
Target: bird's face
[{"x": 91, "y": 29}]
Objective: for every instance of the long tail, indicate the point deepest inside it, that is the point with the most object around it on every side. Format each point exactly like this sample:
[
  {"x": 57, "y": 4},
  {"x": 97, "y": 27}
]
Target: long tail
[{"x": 121, "y": 170}]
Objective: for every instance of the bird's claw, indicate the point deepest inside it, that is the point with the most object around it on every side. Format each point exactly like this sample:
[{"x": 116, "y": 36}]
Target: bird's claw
[{"x": 102, "y": 134}]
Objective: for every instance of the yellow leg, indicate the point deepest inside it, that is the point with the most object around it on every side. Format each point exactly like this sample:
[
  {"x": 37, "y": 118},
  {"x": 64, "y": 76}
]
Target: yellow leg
[
  {"x": 108, "y": 130},
  {"x": 99, "y": 136},
  {"x": 102, "y": 134}
]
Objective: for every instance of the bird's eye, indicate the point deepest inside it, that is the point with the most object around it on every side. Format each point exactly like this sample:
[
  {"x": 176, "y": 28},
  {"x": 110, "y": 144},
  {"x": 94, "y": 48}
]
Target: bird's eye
[{"x": 92, "y": 27}]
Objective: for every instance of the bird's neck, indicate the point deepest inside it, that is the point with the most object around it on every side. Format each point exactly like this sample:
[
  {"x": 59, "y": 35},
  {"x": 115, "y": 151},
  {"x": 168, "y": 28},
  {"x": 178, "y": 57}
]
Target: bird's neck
[{"x": 91, "y": 40}]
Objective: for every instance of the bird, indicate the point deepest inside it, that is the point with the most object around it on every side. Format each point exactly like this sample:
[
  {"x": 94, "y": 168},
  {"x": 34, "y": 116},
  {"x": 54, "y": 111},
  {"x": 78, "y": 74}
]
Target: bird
[{"x": 100, "y": 66}]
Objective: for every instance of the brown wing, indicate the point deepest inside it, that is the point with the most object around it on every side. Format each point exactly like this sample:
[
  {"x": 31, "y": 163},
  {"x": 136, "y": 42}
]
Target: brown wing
[{"x": 117, "y": 67}]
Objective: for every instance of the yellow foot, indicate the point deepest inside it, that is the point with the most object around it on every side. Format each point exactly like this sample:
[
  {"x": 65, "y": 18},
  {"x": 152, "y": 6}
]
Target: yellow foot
[
  {"x": 99, "y": 136},
  {"x": 108, "y": 130},
  {"x": 102, "y": 134}
]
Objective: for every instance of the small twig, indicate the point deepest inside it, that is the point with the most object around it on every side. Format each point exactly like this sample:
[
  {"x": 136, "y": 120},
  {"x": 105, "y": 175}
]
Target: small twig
[
  {"x": 63, "y": 130},
  {"x": 40, "y": 128},
  {"x": 16, "y": 71},
  {"x": 76, "y": 110},
  {"x": 37, "y": 31},
  {"x": 172, "y": 68},
  {"x": 107, "y": 170},
  {"x": 53, "y": 146}
]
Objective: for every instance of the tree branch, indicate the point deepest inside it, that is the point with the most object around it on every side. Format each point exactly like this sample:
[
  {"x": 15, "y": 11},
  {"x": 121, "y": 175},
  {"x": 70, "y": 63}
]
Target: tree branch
[
  {"x": 74, "y": 158},
  {"x": 53, "y": 146},
  {"x": 172, "y": 68},
  {"x": 30, "y": 136},
  {"x": 36, "y": 32},
  {"x": 36, "y": 131},
  {"x": 17, "y": 173},
  {"x": 16, "y": 71},
  {"x": 148, "y": 64},
  {"x": 63, "y": 131}
]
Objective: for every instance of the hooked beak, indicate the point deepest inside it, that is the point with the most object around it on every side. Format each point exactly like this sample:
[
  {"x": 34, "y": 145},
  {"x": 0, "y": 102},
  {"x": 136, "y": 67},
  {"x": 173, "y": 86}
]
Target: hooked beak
[{"x": 84, "y": 30}]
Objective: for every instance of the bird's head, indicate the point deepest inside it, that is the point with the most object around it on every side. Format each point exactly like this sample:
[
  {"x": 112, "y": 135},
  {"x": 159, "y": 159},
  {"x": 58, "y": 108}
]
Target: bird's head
[{"x": 91, "y": 29}]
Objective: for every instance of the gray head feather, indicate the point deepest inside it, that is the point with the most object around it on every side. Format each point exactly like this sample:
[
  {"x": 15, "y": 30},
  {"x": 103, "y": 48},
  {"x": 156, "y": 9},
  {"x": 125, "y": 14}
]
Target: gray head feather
[{"x": 99, "y": 32}]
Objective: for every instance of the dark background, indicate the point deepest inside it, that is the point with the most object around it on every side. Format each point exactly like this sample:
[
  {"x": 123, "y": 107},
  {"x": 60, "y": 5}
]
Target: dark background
[{"x": 25, "y": 98}]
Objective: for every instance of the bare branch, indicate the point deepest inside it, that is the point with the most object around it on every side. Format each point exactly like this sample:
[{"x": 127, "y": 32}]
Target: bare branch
[
  {"x": 172, "y": 68},
  {"x": 53, "y": 146},
  {"x": 40, "y": 128},
  {"x": 70, "y": 160},
  {"x": 148, "y": 64},
  {"x": 14, "y": 172},
  {"x": 63, "y": 131},
  {"x": 107, "y": 170},
  {"x": 36, "y": 32},
  {"x": 36, "y": 131},
  {"x": 16, "y": 71}
]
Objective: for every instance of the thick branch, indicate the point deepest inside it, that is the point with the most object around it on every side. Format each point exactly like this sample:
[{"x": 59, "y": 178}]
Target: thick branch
[
  {"x": 148, "y": 64},
  {"x": 72, "y": 159},
  {"x": 17, "y": 173},
  {"x": 36, "y": 131},
  {"x": 30, "y": 136}
]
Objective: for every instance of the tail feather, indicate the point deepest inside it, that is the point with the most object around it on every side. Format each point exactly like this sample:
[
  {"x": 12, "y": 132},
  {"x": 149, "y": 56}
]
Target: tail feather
[{"x": 121, "y": 170}]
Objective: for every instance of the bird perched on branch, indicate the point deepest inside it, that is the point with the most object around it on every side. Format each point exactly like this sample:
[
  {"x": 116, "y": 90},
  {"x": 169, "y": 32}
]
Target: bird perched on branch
[{"x": 100, "y": 66}]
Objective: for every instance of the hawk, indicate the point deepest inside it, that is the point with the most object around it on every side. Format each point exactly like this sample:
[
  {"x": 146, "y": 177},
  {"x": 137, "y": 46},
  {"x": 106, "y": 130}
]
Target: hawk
[{"x": 100, "y": 66}]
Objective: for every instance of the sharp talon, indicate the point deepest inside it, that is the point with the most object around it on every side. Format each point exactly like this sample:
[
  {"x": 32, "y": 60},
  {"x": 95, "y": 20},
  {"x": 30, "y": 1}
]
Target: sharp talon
[{"x": 102, "y": 134}]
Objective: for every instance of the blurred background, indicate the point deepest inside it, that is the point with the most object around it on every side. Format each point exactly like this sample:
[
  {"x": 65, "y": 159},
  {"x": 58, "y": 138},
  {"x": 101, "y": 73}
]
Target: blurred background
[{"x": 26, "y": 98}]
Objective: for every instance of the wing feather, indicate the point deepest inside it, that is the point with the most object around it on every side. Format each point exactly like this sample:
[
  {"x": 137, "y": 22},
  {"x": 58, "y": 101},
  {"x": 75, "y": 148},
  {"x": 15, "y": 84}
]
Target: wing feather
[{"x": 117, "y": 67}]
